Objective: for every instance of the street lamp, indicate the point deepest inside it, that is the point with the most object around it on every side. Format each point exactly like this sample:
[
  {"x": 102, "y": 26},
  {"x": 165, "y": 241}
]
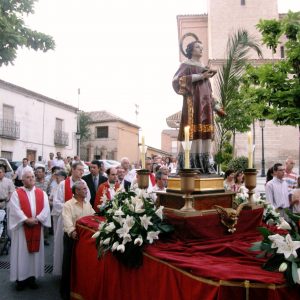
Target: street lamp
[
  {"x": 262, "y": 126},
  {"x": 78, "y": 142}
]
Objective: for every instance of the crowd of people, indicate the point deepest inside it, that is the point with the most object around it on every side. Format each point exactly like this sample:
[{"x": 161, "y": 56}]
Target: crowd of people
[
  {"x": 49, "y": 199},
  {"x": 282, "y": 188}
]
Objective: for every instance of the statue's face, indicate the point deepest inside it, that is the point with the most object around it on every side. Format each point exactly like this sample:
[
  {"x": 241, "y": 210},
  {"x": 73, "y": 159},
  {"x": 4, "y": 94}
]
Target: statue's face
[{"x": 197, "y": 50}]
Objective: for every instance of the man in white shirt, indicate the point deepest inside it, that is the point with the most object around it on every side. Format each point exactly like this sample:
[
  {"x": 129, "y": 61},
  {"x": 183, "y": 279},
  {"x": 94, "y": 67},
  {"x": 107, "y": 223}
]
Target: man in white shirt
[
  {"x": 29, "y": 212},
  {"x": 19, "y": 172},
  {"x": 277, "y": 192},
  {"x": 58, "y": 161}
]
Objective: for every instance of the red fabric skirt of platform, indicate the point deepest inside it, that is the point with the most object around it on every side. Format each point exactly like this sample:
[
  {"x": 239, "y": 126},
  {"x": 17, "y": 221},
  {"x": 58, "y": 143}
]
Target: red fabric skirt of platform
[{"x": 200, "y": 261}]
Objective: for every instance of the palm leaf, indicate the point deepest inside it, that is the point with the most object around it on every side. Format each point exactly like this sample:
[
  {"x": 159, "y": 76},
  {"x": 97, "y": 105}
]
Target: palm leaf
[{"x": 238, "y": 48}]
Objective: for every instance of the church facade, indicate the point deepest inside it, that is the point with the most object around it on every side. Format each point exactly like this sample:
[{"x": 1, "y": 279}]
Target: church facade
[{"x": 213, "y": 29}]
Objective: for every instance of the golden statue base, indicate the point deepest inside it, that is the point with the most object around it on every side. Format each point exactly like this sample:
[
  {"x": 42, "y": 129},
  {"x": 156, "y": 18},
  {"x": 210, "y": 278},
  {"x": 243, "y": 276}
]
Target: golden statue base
[{"x": 209, "y": 184}]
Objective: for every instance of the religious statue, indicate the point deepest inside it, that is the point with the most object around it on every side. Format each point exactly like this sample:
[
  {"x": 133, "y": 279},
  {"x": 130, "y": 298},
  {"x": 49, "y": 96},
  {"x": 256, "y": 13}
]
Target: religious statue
[{"x": 192, "y": 81}]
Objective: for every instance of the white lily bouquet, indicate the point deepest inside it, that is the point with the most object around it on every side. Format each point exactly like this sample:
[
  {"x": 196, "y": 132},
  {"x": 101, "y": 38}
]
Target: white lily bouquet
[
  {"x": 282, "y": 248},
  {"x": 132, "y": 221}
]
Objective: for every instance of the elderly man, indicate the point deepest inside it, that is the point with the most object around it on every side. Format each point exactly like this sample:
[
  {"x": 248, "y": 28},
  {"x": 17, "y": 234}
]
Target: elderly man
[
  {"x": 73, "y": 210},
  {"x": 129, "y": 174},
  {"x": 6, "y": 188},
  {"x": 277, "y": 192},
  {"x": 64, "y": 194},
  {"x": 108, "y": 188},
  {"x": 289, "y": 176},
  {"x": 161, "y": 184},
  {"x": 29, "y": 212}
]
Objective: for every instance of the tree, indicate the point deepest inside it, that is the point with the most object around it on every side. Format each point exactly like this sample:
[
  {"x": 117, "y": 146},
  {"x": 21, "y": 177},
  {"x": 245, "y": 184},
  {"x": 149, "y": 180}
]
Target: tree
[
  {"x": 274, "y": 88},
  {"x": 228, "y": 82},
  {"x": 14, "y": 33},
  {"x": 84, "y": 128}
]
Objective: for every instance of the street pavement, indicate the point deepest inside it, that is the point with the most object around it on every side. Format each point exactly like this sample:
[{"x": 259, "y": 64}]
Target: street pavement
[{"x": 48, "y": 285}]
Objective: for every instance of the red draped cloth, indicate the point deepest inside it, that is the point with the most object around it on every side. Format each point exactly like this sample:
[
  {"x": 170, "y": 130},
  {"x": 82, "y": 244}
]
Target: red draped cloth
[{"x": 200, "y": 261}]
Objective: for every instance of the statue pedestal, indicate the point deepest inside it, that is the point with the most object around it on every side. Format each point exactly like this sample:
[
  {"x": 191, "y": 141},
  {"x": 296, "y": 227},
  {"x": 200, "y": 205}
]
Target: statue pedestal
[
  {"x": 202, "y": 203},
  {"x": 207, "y": 184}
]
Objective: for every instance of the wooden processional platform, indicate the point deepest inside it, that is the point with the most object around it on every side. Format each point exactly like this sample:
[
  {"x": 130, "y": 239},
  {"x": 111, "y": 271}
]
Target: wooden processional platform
[{"x": 209, "y": 191}]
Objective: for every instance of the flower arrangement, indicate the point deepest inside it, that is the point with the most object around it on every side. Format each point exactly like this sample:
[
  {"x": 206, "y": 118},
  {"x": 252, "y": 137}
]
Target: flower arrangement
[
  {"x": 132, "y": 221},
  {"x": 282, "y": 249},
  {"x": 270, "y": 216}
]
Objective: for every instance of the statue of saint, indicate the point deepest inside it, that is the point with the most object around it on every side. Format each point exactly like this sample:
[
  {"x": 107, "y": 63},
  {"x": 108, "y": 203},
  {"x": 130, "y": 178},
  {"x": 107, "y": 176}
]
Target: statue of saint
[{"x": 192, "y": 81}]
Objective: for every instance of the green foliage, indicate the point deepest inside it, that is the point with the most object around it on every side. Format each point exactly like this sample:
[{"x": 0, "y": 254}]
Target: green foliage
[
  {"x": 14, "y": 33},
  {"x": 274, "y": 89},
  {"x": 271, "y": 32},
  {"x": 224, "y": 156},
  {"x": 238, "y": 164},
  {"x": 85, "y": 131},
  {"x": 228, "y": 80}
]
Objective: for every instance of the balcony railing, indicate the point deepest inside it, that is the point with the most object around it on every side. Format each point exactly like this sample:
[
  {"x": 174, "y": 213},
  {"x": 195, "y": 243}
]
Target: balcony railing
[
  {"x": 9, "y": 129},
  {"x": 61, "y": 138}
]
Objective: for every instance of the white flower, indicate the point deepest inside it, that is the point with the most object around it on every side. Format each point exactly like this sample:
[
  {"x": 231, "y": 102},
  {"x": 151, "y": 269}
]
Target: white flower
[
  {"x": 276, "y": 239},
  {"x": 129, "y": 221},
  {"x": 121, "y": 248},
  {"x": 138, "y": 240},
  {"x": 101, "y": 225},
  {"x": 126, "y": 239},
  {"x": 123, "y": 231},
  {"x": 138, "y": 205},
  {"x": 114, "y": 246},
  {"x": 119, "y": 220},
  {"x": 111, "y": 226},
  {"x": 159, "y": 212},
  {"x": 152, "y": 235},
  {"x": 119, "y": 212},
  {"x": 283, "y": 224},
  {"x": 289, "y": 247},
  {"x": 106, "y": 241},
  {"x": 283, "y": 267},
  {"x": 298, "y": 271},
  {"x": 96, "y": 234},
  {"x": 145, "y": 221}
]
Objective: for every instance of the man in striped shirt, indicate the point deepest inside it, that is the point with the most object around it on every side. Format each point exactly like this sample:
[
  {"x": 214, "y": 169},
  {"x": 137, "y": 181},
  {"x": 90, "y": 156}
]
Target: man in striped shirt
[
  {"x": 289, "y": 176},
  {"x": 277, "y": 192}
]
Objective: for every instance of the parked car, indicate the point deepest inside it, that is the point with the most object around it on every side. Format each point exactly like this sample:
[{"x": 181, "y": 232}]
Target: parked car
[
  {"x": 109, "y": 163},
  {"x": 15, "y": 164}
]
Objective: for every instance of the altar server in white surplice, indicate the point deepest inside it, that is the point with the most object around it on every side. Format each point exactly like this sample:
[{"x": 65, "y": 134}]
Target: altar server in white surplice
[{"x": 29, "y": 212}]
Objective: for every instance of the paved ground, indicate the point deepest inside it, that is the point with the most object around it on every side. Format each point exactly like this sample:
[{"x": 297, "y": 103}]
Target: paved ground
[{"x": 48, "y": 285}]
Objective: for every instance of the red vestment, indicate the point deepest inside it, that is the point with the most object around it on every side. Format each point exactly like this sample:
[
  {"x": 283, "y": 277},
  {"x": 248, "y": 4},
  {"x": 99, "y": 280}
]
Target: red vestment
[
  {"x": 32, "y": 234},
  {"x": 68, "y": 189},
  {"x": 103, "y": 190}
]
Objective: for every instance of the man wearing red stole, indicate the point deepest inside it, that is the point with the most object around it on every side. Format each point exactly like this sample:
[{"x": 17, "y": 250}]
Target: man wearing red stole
[
  {"x": 107, "y": 189},
  {"x": 29, "y": 212}
]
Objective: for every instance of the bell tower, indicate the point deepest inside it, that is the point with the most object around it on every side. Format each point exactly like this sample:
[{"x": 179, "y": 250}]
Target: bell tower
[{"x": 226, "y": 17}]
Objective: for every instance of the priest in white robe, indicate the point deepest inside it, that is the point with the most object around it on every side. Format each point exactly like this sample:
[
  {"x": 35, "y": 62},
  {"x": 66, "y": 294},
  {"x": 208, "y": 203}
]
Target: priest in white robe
[{"x": 29, "y": 212}]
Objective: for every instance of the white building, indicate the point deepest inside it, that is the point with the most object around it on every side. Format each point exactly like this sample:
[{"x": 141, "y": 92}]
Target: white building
[{"x": 33, "y": 125}]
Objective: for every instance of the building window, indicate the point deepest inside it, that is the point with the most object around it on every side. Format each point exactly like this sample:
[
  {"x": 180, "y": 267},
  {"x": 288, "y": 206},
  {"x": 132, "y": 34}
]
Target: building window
[
  {"x": 243, "y": 2},
  {"x": 59, "y": 124},
  {"x": 7, "y": 154},
  {"x": 281, "y": 52},
  {"x": 8, "y": 112},
  {"x": 102, "y": 132}
]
